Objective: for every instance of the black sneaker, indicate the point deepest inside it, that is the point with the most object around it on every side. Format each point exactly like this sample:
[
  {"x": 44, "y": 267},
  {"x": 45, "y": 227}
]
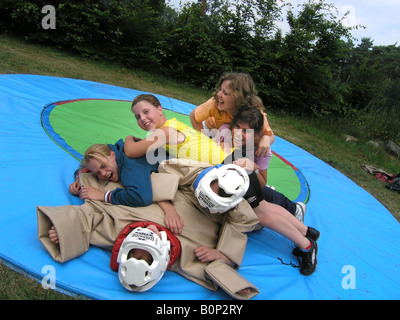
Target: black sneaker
[
  {"x": 312, "y": 234},
  {"x": 308, "y": 260}
]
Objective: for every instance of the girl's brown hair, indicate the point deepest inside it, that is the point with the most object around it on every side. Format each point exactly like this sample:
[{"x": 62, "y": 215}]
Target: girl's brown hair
[
  {"x": 146, "y": 97},
  {"x": 243, "y": 90}
]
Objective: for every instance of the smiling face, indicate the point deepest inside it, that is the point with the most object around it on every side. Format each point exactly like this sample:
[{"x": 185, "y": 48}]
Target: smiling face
[
  {"x": 226, "y": 99},
  {"x": 104, "y": 167},
  {"x": 148, "y": 116},
  {"x": 243, "y": 134}
]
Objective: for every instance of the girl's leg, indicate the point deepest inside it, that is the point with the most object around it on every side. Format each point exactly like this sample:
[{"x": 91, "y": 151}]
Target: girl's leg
[
  {"x": 273, "y": 196},
  {"x": 280, "y": 220}
]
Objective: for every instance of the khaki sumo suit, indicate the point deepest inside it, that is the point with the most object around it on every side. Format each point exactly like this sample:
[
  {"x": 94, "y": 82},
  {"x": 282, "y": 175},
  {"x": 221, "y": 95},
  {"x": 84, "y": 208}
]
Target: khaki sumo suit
[{"x": 98, "y": 223}]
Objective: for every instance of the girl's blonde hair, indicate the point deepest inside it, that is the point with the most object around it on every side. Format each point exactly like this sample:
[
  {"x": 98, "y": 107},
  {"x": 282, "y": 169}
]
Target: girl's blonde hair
[
  {"x": 243, "y": 90},
  {"x": 96, "y": 151}
]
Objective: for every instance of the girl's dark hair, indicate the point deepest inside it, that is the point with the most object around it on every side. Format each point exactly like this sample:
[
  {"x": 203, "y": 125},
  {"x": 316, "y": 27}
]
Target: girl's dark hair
[{"x": 252, "y": 116}]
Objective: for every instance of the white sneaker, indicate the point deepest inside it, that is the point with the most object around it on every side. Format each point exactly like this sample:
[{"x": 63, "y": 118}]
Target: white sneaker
[{"x": 300, "y": 211}]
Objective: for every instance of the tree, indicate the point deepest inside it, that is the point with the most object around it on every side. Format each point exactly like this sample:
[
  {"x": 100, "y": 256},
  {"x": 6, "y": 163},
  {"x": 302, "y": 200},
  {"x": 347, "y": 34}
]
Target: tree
[
  {"x": 188, "y": 51},
  {"x": 309, "y": 60}
]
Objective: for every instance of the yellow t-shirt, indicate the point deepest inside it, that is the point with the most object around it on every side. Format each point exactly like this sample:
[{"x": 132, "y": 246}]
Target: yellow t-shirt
[
  {"x": 196, "y": 146},
  {"x": 214, "y": 118}
]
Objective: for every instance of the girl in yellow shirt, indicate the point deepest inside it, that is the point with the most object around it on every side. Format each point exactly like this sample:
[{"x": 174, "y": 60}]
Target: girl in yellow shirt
[{"x": 178, "y": 139}]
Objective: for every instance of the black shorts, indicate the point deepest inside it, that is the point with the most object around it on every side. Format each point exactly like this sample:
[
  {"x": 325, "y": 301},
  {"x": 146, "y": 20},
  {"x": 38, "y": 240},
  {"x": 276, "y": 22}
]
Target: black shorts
[{"x": 254, "y": 194}]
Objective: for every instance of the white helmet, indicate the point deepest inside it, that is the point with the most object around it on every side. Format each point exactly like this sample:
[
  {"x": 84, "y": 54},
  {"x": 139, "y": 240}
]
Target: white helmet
[
  {"x": 232, "y": 179},
  {"x": 138, "y": 275}
]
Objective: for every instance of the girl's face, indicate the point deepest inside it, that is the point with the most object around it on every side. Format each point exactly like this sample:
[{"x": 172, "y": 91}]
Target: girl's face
[
  {"x": 242, "y": 134},
  {"x": 106, "y": 169},
  {"x": 148, "y": 117},
  {"x": 226, "y": 100}
]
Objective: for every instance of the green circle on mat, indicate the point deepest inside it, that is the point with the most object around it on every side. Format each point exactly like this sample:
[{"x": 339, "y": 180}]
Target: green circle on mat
[{"x": 81, "y": 123}]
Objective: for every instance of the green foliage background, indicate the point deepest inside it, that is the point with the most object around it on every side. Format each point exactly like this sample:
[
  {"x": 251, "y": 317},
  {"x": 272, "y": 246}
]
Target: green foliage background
[{"x": 315, "y": 69}]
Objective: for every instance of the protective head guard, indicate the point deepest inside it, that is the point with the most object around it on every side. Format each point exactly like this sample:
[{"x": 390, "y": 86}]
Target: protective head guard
[
  {"x": 232, "y": 179},
  {"x": 138, "y": 275}
]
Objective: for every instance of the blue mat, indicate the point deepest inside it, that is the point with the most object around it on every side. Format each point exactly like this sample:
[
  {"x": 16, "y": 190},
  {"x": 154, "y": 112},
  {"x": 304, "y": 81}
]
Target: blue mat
[{"x": 358, "y": 257}]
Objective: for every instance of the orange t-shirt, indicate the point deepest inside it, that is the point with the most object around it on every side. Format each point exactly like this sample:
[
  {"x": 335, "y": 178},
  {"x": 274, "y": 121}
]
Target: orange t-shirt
[{"x": 214, "y": 118}]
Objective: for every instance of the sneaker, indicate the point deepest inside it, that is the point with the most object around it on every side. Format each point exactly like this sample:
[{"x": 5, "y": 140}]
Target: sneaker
[
  {"x": 312, "y": 234},
  {"x": 300, "y": 211},
  {"x": 308, "y": 260}
]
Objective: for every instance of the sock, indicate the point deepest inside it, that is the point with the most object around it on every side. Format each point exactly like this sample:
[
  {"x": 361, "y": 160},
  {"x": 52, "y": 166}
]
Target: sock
[{"x": 306, "y": 249}]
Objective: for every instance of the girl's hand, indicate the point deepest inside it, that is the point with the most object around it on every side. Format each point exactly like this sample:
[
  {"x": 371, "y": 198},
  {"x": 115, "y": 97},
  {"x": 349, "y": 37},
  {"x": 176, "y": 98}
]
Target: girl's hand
[
  {"x": 263, "y": 146},
  {"x": 246, "y": 164},
  {"x": 173, "y": 221},
  {"x": 75, "y": 187},
  {"x": 91, "y": 193},
  {"x": 53, "y": 236},
  {"x": 205, "y": 254}
]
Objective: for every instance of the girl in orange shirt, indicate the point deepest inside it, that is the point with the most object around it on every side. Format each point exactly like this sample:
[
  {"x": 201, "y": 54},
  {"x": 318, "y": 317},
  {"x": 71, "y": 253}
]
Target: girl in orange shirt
[{"x": 233, "y": 92}]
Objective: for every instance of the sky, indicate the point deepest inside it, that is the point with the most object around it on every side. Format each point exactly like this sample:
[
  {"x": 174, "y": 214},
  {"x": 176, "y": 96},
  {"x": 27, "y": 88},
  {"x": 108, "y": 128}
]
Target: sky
[{"x": 380, "y": 17}]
